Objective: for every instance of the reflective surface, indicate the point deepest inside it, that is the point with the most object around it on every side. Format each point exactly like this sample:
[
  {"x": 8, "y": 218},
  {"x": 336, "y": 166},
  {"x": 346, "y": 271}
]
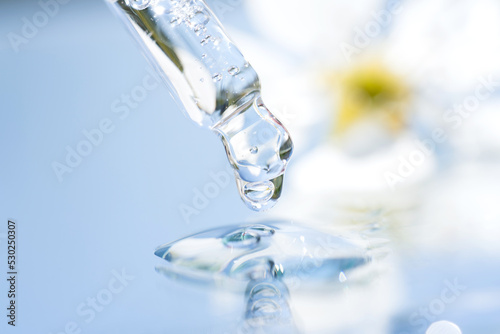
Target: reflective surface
[
  {"x": 264, "y": 257},
  {"x": 280, "y": 249}
]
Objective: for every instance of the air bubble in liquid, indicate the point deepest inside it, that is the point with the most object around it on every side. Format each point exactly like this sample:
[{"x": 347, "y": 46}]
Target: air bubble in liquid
[
  {"x": 233, "y": 70},
  {"x": 217, "y": 77},
  {"x": 205, "y": 40},
  {"x": 258, "y": 147},
  {"x": 175, "y": 21},
  {"x": 259, "y": 191},
  {"x": 260, "y": 196},
  {"x": 199, "y": 28}
]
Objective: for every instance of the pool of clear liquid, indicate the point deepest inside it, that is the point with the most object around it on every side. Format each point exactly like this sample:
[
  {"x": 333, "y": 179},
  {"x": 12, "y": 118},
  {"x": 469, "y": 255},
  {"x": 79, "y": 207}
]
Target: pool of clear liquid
[{"x": 279, "y": 250}]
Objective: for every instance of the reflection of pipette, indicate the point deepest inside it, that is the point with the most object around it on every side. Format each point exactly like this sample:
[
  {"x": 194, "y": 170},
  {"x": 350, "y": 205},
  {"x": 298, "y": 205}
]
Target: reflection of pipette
[
  {"x": 268, "y": 309},
  {"x": 217, "y": 87}
]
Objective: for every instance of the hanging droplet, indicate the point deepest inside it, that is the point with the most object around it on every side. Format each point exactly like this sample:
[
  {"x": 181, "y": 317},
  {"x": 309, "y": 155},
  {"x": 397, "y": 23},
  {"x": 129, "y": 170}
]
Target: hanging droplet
[{"x": 259, "y": 192}]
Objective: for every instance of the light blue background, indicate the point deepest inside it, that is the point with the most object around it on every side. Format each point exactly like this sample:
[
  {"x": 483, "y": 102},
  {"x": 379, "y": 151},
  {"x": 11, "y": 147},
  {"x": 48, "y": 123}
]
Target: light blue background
[{"x": 122, "y": 202}]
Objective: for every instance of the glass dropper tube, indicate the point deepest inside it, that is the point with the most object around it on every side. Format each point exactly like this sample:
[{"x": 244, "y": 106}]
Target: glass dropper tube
[{"x": 217, "y": 88}]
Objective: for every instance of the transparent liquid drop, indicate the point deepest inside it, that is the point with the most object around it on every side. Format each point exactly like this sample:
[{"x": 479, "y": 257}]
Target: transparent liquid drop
[
  {"x": 259, "y": 191},
  {"x": 260, "y": 196},
  {"x": 205, "y": 40},
  {"x": 259, "y": 147},
  {"x": 242, "y": 253}
]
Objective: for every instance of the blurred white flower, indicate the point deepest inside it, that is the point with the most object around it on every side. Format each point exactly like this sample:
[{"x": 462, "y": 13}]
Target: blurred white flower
[
  {"x": 356, "y": 121},
  {"x": 387, "y": 93}
]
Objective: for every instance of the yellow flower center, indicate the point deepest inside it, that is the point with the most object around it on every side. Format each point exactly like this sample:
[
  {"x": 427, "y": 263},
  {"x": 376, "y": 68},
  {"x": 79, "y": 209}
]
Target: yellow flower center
[{"x": 370, "y": 92}]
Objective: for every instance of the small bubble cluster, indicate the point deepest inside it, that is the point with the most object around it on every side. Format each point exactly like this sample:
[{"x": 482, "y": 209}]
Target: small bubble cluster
[
  {"x": 199, "y": 29},
  {"x": 175, "y": 21},
  {"x": 205, "y": 40},
  {"x": 188, "y": 12}
]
